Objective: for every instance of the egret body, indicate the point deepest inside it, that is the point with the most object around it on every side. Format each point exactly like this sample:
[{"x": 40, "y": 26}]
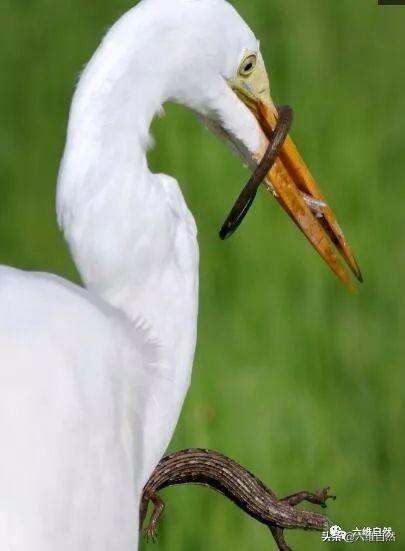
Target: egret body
[{"x": 92, "y": 379}]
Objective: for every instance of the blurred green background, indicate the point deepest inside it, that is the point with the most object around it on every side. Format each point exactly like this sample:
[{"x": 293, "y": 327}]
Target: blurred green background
[{"x": 295, "y": 378}]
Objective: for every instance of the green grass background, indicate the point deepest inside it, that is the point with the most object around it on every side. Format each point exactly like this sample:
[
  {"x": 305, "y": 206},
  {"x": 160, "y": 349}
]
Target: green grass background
[{"x": 295, "y": 378}]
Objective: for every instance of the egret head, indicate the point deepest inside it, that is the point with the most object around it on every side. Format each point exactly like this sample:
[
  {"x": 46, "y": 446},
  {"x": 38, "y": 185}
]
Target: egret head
[
  {"x": 210, "y": 61},
  {"x": 219, "y": 72}
]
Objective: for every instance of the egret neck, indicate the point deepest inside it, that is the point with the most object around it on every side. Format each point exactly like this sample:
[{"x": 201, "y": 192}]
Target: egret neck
[{"x": 131, "y": 234}]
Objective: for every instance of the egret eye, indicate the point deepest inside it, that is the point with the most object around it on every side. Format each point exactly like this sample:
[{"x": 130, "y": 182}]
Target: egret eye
[{"x": 247, "y": 66}]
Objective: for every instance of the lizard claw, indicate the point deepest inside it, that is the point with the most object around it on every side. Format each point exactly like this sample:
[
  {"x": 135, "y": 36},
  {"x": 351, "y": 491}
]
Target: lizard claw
[
  {"x": 323, "y": 495},
  {"x": 150, "y": 533}
]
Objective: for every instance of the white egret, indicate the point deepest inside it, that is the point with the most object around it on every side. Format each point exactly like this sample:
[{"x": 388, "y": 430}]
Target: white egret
[{"x": 92, "y": 380}]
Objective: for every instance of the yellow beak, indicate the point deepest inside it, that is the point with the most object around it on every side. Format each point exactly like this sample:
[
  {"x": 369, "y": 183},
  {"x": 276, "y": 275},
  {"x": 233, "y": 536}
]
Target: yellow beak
[{"x": 294, "y": 188}]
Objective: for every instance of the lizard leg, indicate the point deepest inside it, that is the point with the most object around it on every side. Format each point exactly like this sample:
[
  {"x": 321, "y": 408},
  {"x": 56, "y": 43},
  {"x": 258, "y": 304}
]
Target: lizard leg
[
  {"x": 278, "y": 535},
  {"x": 318, "y": 498},
  {"x": 150, "y": 532},
  {"x": 143, "y": 510}
]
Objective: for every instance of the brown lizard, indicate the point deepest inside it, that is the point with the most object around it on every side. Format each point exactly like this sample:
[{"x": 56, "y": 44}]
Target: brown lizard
[{"x": 210, "y": 468}]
